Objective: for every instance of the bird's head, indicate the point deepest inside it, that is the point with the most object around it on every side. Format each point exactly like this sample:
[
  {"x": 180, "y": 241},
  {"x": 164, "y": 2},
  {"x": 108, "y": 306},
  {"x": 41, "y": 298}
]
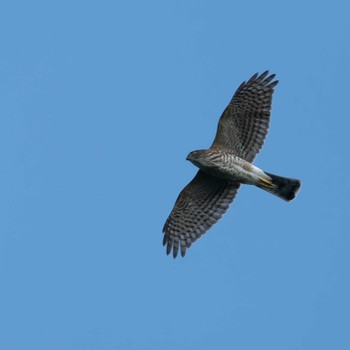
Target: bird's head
[
  {"x": 197, "y": 157},
  {"x": 194, "y": 155}
]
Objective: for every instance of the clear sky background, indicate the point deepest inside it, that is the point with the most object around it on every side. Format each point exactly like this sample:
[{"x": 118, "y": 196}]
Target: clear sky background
[{"x": 100, "y": 103}]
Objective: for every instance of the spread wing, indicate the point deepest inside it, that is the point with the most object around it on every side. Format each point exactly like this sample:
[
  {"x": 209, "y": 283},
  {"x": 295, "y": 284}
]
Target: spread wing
[
  {"x": 199, "y": 206},
  {"x": 244, "y": 124}
]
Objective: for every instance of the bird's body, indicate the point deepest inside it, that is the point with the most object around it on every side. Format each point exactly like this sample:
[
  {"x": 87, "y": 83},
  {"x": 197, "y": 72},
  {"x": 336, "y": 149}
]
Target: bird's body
[{"x": 226, "y": 165}]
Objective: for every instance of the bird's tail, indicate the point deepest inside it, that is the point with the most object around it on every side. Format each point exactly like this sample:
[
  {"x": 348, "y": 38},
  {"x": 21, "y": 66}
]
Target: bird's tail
[{"x": 282, "y": 187}]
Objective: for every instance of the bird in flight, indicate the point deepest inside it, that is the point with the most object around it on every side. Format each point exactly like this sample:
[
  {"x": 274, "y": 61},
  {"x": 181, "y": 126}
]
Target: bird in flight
[{"x": 226, "y": 165}]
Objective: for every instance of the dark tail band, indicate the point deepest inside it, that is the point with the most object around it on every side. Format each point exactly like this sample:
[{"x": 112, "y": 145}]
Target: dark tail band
[{"x": 283, "y": 187}]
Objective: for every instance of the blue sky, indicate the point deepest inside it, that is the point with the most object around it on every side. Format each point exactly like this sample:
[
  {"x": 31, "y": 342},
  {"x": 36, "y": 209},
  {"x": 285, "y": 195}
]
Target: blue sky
[{"x": 100, "y": 103}]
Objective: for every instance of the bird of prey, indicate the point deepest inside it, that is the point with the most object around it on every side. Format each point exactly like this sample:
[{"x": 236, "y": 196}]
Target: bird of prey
[{"x": 226, "y": 165}]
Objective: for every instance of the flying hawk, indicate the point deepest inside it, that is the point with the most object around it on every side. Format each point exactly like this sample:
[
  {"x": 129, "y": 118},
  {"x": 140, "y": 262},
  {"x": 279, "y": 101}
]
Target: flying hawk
[{"x": 226, "y": 165}]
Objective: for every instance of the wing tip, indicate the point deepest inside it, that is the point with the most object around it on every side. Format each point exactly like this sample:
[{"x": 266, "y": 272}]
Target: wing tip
[
  {"x": 263, "y": 79},
  {"x": 172, "y": 245}
]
